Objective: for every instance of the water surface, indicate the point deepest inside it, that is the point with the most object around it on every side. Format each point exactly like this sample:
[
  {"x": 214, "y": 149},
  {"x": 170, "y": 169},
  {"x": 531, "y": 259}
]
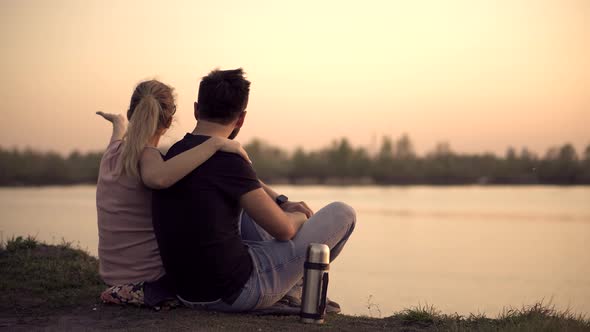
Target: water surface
[{"x": 462, "y": 249}]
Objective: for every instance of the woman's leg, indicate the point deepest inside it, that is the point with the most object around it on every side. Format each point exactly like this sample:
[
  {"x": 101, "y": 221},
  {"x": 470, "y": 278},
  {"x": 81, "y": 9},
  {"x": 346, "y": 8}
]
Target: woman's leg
[{"x": 279, "y": 264}]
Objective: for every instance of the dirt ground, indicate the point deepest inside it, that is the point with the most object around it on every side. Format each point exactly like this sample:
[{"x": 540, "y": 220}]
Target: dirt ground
[
  {"x": 98, "y": 317},
  {"x": 56, "y": 288}
]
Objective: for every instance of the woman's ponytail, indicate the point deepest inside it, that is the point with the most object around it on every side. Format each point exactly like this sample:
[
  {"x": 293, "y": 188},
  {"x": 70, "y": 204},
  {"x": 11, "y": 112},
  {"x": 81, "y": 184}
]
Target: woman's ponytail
[{"x": 151, "y": 109}]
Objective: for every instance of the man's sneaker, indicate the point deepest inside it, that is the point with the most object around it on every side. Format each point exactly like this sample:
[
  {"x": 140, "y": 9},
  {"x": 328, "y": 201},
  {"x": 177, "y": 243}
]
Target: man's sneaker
[
  {"x": 332, "y": 307},
  {"x": 293, "y": 299},
  {"x": 293, "y": 296},
  {"x": 290, "y": 301}
]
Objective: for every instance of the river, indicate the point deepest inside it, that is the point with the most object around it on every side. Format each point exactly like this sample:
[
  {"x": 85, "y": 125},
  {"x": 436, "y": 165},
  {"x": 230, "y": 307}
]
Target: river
[{"x": 464, "y": 249}]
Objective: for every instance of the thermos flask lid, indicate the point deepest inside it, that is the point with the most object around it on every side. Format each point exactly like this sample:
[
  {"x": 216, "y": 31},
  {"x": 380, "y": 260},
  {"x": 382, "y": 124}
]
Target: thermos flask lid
[{"x": 318, "y": 253}]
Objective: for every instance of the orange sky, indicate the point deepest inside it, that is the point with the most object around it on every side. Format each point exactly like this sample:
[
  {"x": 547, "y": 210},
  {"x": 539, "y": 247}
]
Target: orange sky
[{"x": 480, "y": 74}]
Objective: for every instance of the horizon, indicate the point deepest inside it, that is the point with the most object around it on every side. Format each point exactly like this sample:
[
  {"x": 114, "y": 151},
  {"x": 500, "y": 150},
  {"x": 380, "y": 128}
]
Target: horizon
[
  {"x": 481, "y": 75},
  {"x": 372, "y": 150}
]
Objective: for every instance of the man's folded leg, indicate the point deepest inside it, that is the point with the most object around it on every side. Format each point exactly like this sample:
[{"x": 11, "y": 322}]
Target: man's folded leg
[{"x": 279, "y": 264}]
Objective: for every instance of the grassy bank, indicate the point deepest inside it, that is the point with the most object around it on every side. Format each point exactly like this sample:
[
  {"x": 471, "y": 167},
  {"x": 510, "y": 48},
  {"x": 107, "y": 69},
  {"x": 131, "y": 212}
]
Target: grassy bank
[{"x": 57, "y": 286}]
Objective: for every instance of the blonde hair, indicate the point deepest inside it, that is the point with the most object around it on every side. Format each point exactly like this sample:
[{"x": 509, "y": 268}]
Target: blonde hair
[{"x": 151, "y": 109}]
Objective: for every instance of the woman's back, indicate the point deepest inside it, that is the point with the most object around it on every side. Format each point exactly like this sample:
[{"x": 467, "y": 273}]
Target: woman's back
[{"x": 127, "y": 247}]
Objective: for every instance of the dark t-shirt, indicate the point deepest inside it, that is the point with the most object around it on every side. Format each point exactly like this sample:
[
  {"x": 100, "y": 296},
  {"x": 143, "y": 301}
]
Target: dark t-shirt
[{"x": 196, "y": 225}]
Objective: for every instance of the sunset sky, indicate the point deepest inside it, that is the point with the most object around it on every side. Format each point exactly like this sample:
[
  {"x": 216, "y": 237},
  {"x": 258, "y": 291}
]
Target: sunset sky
[{"x": 481, "y": 75}]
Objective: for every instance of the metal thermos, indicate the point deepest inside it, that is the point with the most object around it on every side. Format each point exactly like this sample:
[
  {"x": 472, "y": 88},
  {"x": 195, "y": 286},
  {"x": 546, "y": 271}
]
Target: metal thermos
[{"x": 315, "y": 284}]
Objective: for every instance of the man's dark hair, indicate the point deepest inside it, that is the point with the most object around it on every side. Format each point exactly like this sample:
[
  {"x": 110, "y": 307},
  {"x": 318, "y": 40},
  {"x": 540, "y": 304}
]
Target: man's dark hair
[{"x": 223, "y": 95}]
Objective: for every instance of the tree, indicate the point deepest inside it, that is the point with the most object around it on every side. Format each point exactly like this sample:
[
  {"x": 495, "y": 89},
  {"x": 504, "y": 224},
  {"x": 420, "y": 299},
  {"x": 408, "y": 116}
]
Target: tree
[
  {"x": 383, "y": 163},
  {"x": 270, "y": 162},
  {"x": 442, "y": 149},
  {"x": 567, "y": 153},
  {"x": 552, "y": 153},
  {"x": 360, "y": 163},
  {"x": 386, "y": 151},
  {"x": 404, "y": 148},
  {"x": 585, "y": 166},
  {"x": 560, "y": 166},
  {"x": 339, "y": 157},
  {"x": 525, "y": 154},
  {"x": 511, "y": 153}
]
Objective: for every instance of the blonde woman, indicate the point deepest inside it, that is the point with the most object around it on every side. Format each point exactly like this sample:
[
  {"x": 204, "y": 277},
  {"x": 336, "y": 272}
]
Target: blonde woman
[{"x": 131, "y": 165}]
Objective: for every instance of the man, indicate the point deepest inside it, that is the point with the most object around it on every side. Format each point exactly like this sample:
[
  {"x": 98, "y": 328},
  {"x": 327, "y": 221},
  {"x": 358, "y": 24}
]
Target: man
[{"x": 197, "y": 221}]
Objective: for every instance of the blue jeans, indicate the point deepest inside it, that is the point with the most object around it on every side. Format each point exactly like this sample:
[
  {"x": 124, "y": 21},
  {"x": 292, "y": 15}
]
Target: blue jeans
[{"x": 278, "y": 265}]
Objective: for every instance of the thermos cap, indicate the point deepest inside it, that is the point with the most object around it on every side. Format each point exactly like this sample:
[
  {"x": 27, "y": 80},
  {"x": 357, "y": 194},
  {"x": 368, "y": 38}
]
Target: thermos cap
[{"x": 318, "y": 253}]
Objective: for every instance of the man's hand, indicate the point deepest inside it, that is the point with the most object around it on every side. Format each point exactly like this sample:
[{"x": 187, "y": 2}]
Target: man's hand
[
  {"x": 297, "y": 207},
  {"x": 297, "y": 219}
]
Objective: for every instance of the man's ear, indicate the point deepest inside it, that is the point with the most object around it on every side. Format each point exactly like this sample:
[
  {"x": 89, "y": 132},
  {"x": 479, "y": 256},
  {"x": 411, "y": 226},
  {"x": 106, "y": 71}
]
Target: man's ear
[
  {"x": 196, "y": 111},
  {"x": 240, "y": 121}
]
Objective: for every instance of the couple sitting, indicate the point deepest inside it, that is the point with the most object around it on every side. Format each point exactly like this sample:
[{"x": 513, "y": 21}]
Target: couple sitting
[{"x": 222, "y": 238}]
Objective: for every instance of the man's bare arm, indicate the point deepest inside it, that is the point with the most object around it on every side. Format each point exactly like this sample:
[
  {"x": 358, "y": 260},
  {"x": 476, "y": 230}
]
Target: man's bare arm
[
  {"x": 269, "y": 191},
  {"x": 281, "y": 225},
  {"x": 288, "y": 206}
]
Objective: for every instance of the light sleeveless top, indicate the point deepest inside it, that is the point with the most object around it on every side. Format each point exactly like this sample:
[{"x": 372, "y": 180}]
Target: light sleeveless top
[{"x": 127, "y": 247}]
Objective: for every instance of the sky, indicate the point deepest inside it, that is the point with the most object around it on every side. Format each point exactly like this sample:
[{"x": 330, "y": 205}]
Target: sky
[{"x": 480, "y": 74}]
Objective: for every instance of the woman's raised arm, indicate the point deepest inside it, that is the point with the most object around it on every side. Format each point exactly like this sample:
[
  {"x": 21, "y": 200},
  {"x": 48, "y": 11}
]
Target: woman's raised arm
[
  {"x": 119, "y": 125},
  {"x": 158, "y": 174}
]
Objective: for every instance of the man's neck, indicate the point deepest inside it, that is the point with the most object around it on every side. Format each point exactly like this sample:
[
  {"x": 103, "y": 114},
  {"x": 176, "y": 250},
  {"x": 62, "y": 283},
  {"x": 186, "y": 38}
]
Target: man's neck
[{"x": 208, "y": 128}]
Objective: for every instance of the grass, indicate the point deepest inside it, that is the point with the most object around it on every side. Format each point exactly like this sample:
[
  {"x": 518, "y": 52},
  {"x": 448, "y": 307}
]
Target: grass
[
  {"x": 536, "y": 317},
  {"x": 57, "y": 286},
  {"x": 36, "y": 275},
  {"x": 420, "y": 314}
]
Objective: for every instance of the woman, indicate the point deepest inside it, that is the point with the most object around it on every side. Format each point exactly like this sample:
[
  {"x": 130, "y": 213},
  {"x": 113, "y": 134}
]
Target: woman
[{"x": 127, "y": 249}]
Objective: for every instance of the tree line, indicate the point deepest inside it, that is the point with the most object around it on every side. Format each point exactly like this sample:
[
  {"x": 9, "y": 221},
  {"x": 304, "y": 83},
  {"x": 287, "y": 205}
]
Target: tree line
[{"x": 395, "y": 162}]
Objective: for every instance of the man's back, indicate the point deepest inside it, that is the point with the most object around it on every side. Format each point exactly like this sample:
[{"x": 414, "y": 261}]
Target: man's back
[{"x": 196, "y": 224}]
